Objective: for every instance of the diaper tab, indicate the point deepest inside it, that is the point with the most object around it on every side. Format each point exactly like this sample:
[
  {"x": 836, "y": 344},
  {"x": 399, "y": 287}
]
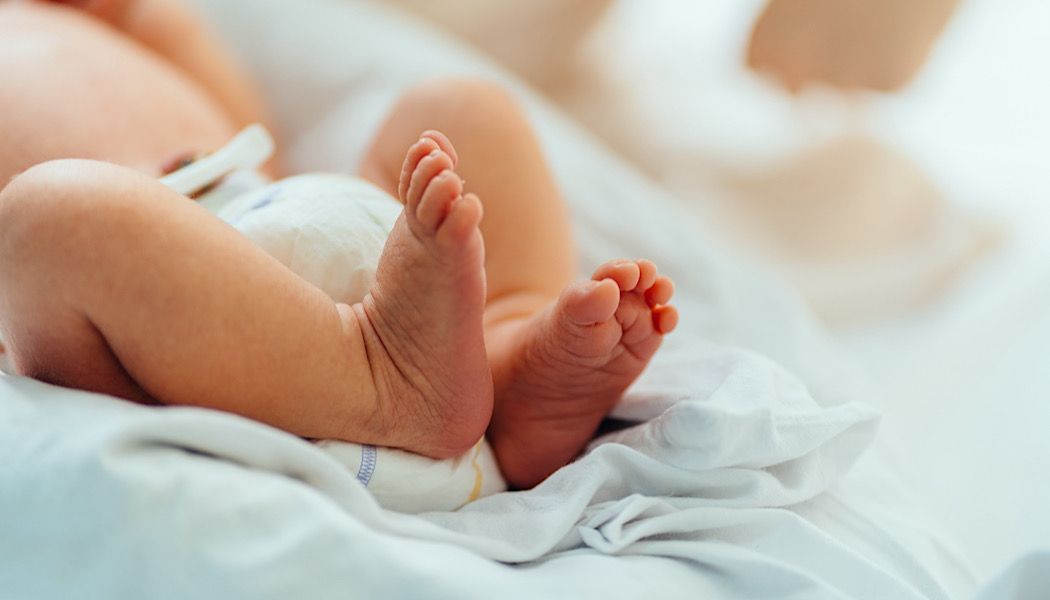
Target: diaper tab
[{"x": 246, "y": 151}]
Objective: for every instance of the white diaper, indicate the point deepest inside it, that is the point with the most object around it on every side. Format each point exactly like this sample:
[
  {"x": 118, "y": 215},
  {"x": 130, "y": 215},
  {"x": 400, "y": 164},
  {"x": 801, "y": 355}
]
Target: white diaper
[{"x": 330, "y": 230}]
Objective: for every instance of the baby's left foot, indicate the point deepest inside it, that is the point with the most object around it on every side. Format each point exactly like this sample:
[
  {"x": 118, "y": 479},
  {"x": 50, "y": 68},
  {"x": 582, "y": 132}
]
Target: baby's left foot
[{"x": 575, "y": 361}]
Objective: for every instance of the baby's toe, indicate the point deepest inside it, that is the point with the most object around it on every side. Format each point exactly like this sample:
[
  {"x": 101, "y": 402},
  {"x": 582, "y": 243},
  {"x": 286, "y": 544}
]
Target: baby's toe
[
  {"x": 647, "y": 273},
  {"x": 464, "y": 216},
  {"x": 415, "y": 154},
  {"x": 660, "y": 292},
  {"x": 432, "y": 165},
  {"x": 442, "y": 142},
  {"x": 441, "y": 191},
  {"x": 665, "y": 319},
  {"x": 635, "y": 319},
  {"x": 588, "y": 302},
  {"x": 624, "y": 272}
]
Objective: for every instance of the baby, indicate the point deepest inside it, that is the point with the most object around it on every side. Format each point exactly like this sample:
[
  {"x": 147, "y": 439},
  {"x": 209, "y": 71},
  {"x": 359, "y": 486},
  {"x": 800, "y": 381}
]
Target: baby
[{"x": 111, "y": 282}]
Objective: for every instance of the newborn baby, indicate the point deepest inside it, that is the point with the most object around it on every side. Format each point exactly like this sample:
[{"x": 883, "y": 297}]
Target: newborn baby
[{"x": 112, "y": 282}]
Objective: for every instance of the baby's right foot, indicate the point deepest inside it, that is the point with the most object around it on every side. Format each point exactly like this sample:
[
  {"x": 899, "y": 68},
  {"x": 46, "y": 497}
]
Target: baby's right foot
[{"x": 422, "y": 319}]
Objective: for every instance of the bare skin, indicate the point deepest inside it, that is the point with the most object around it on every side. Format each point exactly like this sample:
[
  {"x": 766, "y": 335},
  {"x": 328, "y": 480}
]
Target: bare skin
[
  {"x": 115, "y": 284},
  {"x": 851, "y": 44},
  {"x": 472, "y": 324}
]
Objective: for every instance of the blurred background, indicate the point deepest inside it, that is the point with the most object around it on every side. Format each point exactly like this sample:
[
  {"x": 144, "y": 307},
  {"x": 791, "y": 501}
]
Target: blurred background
[
  {"x": 870, "y": 150},
  {"x": 886, "y": 157}
]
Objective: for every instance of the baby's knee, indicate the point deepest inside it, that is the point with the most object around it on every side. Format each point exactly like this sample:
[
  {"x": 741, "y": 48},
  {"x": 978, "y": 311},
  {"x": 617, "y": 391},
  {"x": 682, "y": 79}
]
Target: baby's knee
[
  {"x": 66, "y": 180},
  {"x": 464, "y": 90},
  {"x": 38, "y": 193},
  {"x": 25, "y": 209},
  {"x": 465, "y": 101},
  {"x": 52, "y": 204}
]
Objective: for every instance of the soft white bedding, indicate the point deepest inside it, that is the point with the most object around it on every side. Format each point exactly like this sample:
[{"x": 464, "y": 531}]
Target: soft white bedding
[
  {"x": 962, "y": 380},
  {"x": 736, "y": 485},
  {"x": 111, "y": 499},
  {"x": 968, "y": 385},
  {"x": 969, "y": 375}
]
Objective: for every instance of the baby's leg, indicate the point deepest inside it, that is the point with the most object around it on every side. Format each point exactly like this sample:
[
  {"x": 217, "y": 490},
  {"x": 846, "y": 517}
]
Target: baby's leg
[
  {"x": 561, "y": 353},
  {"x": 113, "y": 283}
]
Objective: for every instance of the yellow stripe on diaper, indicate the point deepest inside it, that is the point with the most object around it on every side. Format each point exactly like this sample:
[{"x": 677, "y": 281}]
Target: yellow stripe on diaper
[{"x": 479, "y": 477}]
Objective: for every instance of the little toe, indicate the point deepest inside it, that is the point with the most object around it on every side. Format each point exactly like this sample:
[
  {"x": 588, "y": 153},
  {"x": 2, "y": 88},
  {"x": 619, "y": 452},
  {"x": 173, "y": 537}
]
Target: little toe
[
  {"x": 415, "y": 154},
  {"x": 624, "y": 272},
  {"x": 441, "y": 191},
  {"x": 660, "y": 292},
  {"x": 428, "y": 168},
  {"x": 647, "y": 274},
  {"x": 589, "y": 302},
  {"x": 665, "y": 319},
  {"x": 443, "y": 142},
  {"x": 464, "y": 216}
]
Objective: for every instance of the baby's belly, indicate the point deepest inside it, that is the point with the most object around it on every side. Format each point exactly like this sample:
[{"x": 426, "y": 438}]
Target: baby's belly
[{"x": 73, "y": 88}]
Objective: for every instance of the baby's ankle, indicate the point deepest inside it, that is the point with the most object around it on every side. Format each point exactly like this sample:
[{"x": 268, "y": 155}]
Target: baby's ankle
[{"x": 409, "y": 413}]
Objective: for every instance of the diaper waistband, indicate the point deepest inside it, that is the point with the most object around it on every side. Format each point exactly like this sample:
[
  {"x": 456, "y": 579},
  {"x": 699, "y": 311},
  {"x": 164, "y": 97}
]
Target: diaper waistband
[{"x": 231, "y": 187}]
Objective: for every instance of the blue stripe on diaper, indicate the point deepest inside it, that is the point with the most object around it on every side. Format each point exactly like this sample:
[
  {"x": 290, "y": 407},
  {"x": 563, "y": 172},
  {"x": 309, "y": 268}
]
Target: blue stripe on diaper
[
  {"x": 368, "y": 464},
  {"x": 265, "y": 201}
]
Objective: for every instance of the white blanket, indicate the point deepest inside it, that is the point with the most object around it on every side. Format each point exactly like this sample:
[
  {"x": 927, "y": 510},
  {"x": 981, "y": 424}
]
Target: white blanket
[
  {"x": 733, "y": 485},
  {"x": 109, "y": 498}
]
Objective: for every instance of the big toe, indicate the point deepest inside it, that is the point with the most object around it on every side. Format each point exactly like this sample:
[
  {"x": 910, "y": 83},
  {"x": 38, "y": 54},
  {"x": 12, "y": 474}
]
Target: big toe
[
  {"x": 625, "y": 273},
  {"x": 589, "y": 302}
]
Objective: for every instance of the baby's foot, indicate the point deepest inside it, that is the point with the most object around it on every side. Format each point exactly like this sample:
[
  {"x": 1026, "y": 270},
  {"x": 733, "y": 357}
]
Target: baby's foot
[
  {"x": 576, "y": 359},
  {"x": 423, "y": 317}
]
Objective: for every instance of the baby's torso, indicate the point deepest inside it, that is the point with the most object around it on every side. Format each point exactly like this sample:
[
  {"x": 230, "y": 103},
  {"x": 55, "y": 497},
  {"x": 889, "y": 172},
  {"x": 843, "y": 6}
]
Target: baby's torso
[{"x": 75, "y": 89}]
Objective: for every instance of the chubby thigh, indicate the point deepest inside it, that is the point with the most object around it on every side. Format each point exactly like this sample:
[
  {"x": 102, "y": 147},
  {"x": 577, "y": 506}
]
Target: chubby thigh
[{"x": 115, "y": 284}]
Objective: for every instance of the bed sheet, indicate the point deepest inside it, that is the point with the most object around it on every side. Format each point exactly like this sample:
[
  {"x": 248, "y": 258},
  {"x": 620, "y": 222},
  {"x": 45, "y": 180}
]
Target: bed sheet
[
  {"x": 962, "y": 380},
  {"x": 969, "y": 373},
  {"x": 967, "y": 385},
  {"x": 753, "y": 471}
]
